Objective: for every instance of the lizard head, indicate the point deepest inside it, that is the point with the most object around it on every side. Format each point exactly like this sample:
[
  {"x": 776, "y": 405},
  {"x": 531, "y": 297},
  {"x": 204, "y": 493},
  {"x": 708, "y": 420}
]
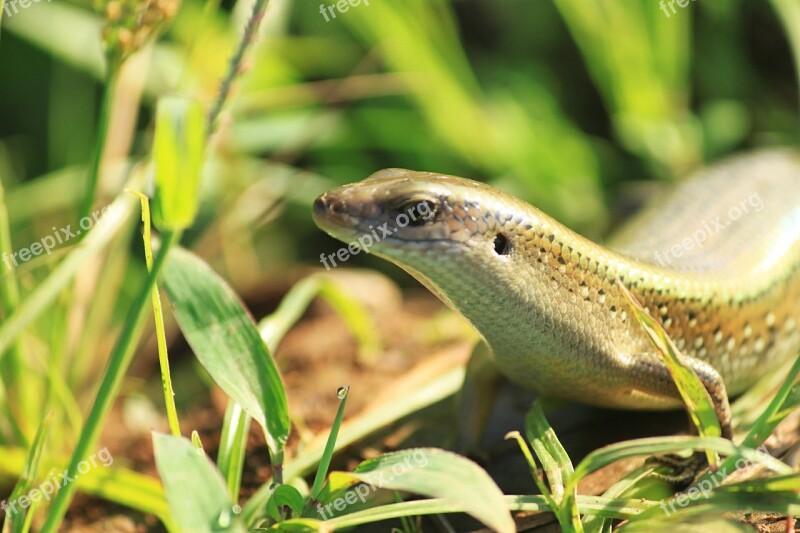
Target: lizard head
[
  {"x": 396, "y": 211},
  {"x": 465, "y": 241}
]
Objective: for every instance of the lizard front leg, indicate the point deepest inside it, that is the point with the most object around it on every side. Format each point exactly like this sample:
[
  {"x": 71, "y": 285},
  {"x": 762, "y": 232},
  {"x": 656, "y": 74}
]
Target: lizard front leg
[{"x": 650, "y": 375}]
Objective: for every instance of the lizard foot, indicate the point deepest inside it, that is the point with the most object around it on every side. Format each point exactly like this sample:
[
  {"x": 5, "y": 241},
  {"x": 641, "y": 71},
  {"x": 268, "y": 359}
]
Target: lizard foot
[{"x": 684, "y": 470}]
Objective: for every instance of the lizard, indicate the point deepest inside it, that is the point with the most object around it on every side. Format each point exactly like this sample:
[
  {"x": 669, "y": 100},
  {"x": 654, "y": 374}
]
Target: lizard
[{"x": 716, "y": 263}]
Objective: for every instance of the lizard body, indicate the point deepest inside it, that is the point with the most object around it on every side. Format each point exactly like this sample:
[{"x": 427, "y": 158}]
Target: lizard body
[{"x": 717, "y": 264}]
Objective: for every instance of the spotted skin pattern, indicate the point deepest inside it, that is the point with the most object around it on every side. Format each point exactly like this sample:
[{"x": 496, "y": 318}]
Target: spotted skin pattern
[{"x": 546, "y": 299}]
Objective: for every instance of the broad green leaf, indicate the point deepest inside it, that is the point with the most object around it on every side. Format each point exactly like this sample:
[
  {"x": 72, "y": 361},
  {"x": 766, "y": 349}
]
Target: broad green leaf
[
  {"x": 438, "y": 474},
  {"x": 226, "y": 341},
  {"x": 195, "y": 490},
  {"x": 285, "y": 495}
]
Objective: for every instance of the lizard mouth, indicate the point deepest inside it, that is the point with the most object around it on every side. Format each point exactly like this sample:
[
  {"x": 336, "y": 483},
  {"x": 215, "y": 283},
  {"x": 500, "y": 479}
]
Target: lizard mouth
[{"x": 335, "y": 216}]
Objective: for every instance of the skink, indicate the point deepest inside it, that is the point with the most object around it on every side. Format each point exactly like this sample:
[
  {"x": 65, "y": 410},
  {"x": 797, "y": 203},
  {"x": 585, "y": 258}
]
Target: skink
[{"x": 717, "y": 263}]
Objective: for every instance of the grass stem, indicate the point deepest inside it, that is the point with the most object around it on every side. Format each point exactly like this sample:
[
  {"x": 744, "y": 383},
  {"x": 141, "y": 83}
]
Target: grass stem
[
  {"x": 104, "y": 119},
  {"x": 118, "y": 363}
]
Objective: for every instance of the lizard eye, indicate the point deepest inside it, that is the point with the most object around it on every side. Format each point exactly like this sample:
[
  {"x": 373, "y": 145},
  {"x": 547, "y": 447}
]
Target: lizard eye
[
  {"x": 419, "y": 211},
  {"x": 502, "y": 246}
]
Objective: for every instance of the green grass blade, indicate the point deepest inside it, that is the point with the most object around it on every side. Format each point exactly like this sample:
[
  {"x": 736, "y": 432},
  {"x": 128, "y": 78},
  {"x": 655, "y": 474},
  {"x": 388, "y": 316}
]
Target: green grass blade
[
  {"x": 526, "y": 136},
  {"x": 10, "y": 296},
  {"x": 232, "y": 446},
  {"x": 421, "y": 393},
  {"x": 129, "y": 488},
  {"x": 227, "y": 343},
  {"x": 635, "y": 482},
  {"x": 28, "y": 476},
  {"x": 557, "y": 465},
  {"x": 694, "y": 394},
  {"x": 711, "y": 522},
  {"x": 606, "y": 507},
  {"x": 274, "y": 327},
  {"x": 716, "y": 503},
  {"x": 787, "y": 483},
  {"x": 101, "y": 136},
  {"x": 158, "y": 316},
  {"x": 194, "y": 488},
  {"x": 299, "y": 525},
  {"x": 43, "y": 296},
  {"x": 327, "y": 454},
  {"x": 649, "y": 446},
  {"x": 119, "y": 360},
  {"x": 783, "y": 404},
  {"x": 538, "y": 477},
  {"x": 639, "y": 59},
  {"x": 112, "y": 483}
]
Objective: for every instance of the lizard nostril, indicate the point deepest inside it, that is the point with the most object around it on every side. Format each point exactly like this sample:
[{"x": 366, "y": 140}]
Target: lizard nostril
[
  {"x": 337, "y": 207},
  {"x": 324, "y": 205}
]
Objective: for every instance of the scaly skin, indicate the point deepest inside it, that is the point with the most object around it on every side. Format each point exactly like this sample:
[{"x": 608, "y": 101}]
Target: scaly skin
[{"x": 546, "y": 301}]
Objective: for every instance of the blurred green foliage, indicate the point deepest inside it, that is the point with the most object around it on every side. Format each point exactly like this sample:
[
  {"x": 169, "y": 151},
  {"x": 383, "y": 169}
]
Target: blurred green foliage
[{"x": 555, "y": 101}]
